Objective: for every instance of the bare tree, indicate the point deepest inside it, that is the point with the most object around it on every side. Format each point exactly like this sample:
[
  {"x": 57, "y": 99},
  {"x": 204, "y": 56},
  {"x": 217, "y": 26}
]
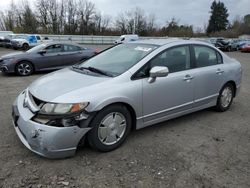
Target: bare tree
[
  {"x": 62, "y": 14},
  {"x": 151, "y": 24},
  {"x": 29, "y": 22},
  {"x": 86, "y": 12},
  {"x": 121, "y": 23},
  {"x": 53, "y": 15},
  {"x": 42, "y": 15},
  {"x": 9, "y": 17},
  {"x": 71, "y": 23},
  {"x": 2, "y": 24}
]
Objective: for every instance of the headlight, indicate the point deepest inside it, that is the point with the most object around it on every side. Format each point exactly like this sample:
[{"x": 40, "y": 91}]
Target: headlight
[{"x": 57, "y": 109}]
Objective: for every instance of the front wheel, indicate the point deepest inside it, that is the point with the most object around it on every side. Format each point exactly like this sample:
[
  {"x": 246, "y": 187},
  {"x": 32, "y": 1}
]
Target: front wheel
[
  {"x": 225, "y": 98},
  {"x": 110, "y": 128},
  {"x": 24, "y": 68}
]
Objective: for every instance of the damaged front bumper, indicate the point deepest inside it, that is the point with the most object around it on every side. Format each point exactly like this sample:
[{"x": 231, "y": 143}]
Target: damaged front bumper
[{"x": 47, "y": 141}]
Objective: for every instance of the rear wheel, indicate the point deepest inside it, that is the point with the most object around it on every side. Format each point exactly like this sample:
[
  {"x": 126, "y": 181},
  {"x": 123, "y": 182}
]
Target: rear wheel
[
  {"x": 24, "y": 68},
  {"x": 110, "y": 128},
  {"x": 225, "y": 98},
  {"x": 25, "y": 46}
]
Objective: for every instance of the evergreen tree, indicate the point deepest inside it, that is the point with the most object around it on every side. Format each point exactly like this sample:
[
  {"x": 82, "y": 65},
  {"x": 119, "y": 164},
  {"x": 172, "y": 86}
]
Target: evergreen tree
[{"x": 218, "y": 19}]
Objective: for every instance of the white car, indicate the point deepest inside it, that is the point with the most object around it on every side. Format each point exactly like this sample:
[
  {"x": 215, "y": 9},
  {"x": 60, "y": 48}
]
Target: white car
[
  {"x": 26, "y": 41},
  {"x": 127, "y": 38}
]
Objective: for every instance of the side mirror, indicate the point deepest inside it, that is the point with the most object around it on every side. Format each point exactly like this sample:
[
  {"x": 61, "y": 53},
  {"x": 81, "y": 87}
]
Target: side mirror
[
  {"x": 157, "y": 71},
  {"x": 42, "y": 52}
]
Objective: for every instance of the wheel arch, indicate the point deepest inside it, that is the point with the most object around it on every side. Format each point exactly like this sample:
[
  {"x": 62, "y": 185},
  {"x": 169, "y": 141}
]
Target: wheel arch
[
  {"x": 129, "y": 108},
  {"x": 234, "y": 86},
  {"x": 25, "y": 60}
]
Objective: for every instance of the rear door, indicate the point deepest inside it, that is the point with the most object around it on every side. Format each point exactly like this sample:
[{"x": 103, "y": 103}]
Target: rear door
[
  {"x": 208, "y": 73},
  {"x": 71, "y": 54}
]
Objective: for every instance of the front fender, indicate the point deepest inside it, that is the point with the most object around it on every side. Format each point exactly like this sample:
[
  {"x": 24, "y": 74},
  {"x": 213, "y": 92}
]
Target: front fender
[{"x": 109, "y": 101}]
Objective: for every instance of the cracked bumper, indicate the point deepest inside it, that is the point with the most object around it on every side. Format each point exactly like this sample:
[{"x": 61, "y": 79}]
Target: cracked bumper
[{"x": 47, "y": 141}]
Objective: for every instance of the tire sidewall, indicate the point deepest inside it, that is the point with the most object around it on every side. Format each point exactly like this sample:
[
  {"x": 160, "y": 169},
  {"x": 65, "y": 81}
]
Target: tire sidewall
[
  {"x": 219, "y": 106},
  {"x": 93, "y": 138}
]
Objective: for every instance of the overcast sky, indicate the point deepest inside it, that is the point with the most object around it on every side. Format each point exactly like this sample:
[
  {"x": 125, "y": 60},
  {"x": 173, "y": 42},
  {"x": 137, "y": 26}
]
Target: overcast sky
[{"x": 191, "y": 12}]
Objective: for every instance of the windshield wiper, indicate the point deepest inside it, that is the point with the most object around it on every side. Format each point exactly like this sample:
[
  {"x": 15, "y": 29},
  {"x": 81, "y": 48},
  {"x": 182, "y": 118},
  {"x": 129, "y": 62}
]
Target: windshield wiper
[{"x": 92, "y": 69}]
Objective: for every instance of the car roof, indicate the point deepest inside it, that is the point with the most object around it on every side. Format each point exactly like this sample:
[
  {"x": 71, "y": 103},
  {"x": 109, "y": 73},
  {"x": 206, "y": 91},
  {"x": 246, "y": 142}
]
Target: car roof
[
  {"x": 159, "y": 42},
  {"x": 54, "y": 42},
  {"x": 162, "y": 42}
]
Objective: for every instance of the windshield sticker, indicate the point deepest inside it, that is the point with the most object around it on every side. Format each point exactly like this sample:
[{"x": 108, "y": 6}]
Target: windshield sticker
[{"x": 144, "y": 49}]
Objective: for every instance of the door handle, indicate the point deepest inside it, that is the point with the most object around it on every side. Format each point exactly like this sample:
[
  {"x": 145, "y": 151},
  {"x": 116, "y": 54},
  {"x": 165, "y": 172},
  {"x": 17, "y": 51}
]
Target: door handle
[
  {"x": 219, "y": 71},
  {"x": 188, "y": 77}
]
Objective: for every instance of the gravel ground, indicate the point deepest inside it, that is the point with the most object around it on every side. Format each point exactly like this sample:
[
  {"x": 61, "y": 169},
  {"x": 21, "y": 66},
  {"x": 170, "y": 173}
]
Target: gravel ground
[{"x": 203, "y": 149}]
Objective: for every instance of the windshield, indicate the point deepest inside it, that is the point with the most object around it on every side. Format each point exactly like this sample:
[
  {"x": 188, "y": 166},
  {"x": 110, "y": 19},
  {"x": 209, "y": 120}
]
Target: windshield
[
  {"x": 119, "y": 59},
  {"x": 37, "y": 48}
]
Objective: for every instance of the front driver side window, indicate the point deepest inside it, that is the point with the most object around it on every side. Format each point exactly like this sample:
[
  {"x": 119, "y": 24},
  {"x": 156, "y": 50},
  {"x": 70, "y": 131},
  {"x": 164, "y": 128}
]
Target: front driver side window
[
  {"x": 176, "y": 59},
  {"x": 54, "y": 48}
]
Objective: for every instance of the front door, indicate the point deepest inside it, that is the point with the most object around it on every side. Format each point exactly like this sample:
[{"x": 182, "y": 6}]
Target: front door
[
  {"x": 172, "y": 94},
  {"x": 51, "y": 59}
]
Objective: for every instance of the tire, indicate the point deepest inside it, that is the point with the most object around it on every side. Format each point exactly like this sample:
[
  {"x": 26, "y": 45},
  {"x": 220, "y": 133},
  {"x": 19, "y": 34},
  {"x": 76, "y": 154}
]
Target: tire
[
  {"x": 25, "y": 46},
  {"x": 225, "y": 98},
  {"x": 106, "y": 135},
  {"x": 24, "y": 68}
]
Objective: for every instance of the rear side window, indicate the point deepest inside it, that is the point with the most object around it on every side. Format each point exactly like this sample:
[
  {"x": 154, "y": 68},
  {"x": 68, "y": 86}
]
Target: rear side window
[
  {"x": 38, "y": 37},
  {"x": 70, "y": 48},
  {"x": 205, "y": 56}
]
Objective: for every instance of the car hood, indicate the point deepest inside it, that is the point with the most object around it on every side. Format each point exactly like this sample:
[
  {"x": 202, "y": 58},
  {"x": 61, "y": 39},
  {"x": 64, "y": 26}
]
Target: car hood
[
  {"x": 63, "y": 82},
  {"x": 13, "y": 55}
]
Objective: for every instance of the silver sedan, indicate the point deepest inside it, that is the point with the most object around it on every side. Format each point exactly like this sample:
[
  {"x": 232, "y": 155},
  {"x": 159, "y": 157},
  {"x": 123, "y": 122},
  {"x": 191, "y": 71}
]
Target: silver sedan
[{"x": 128, "y": 86}]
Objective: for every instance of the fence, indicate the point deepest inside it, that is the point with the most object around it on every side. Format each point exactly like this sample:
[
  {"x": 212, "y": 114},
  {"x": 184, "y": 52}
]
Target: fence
[{"x": 89, "y": 39}]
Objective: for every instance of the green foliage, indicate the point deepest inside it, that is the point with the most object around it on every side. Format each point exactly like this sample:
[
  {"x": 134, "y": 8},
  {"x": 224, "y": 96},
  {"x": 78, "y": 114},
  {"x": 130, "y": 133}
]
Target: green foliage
[
  {"x": 218, "y": 20},
  {"x": 174, "y": 30}
]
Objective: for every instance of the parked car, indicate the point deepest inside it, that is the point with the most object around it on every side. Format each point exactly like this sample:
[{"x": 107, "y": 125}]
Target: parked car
[
  {"x": 5, "y": 33},
  {"x": 127, "y": 38},
  {"x": 223, "y": 44},
  {"x": 242, "y": 43},
  {"x": 246, "y": 47},
  {"x": 48, "y": 56},
  {"x": 130, "y": 85},
  {"x": 6, "y": 42},
  {"x": 233, "y": 44},
  {"x": 1, "y": 41},
  {"x": 26, "y": 41}
]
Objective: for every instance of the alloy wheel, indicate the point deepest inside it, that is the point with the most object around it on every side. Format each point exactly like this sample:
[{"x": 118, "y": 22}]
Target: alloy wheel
[{"x": 24, "y": 69}]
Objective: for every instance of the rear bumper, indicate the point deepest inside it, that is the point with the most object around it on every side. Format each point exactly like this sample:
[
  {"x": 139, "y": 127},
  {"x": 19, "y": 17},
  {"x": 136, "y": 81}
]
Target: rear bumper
[{"x": 44, "y": 140}]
